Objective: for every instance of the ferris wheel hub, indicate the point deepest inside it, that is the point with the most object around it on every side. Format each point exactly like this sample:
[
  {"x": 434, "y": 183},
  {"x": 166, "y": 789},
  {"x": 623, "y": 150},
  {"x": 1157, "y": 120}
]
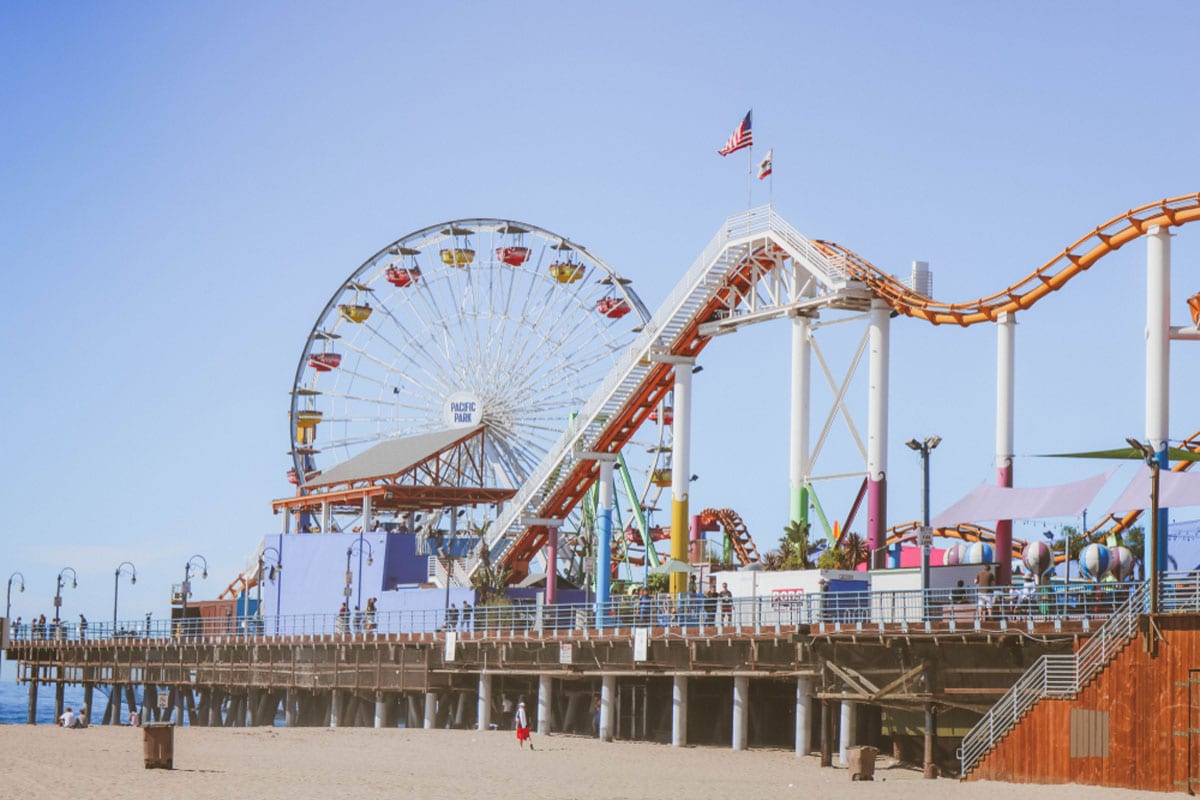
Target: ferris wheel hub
[{"x": 462, "y": 410}]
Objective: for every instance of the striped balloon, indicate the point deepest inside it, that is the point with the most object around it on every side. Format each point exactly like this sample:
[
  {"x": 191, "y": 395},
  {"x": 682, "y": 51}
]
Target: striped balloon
[
  {"x": 979, "y": 553},
  {"x": 1037, "y": 557},
  {"x": 954, "y": 555},
  {"x": 1093, "y": 561},
  {"x": 1120, "y": 563}
]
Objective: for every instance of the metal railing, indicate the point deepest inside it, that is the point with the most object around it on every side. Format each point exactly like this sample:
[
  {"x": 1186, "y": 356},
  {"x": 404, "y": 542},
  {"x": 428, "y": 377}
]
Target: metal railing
[
  {"x": 678, "y": 615},
  {"x": 1064, "y": 676}
]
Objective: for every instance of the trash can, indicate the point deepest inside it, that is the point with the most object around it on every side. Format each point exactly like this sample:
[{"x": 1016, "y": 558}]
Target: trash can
[
  {"x": 861, "y": 762},
  {"x": 158, "y": 745}
]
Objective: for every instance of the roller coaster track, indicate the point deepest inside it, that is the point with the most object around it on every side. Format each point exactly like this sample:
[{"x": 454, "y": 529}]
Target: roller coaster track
[
  {"x": 735, "y": 529},
  {"x": 747, "y": 247},
  {"x": 1050, "y": 277}
]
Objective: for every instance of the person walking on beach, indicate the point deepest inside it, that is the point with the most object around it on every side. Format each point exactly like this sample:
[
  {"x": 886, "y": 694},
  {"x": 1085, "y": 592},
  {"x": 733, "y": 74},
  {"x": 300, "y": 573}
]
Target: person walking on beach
[{"x": 522, "y": 721}]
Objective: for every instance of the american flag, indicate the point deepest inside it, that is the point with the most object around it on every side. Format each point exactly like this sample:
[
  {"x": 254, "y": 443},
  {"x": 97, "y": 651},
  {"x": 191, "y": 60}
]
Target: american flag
[
  {"x": 741, "y": 137},
  {"x": 764, "y": 167}
]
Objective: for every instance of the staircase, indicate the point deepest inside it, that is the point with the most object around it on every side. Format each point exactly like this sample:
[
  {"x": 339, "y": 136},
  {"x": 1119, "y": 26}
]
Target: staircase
[
  {"x": 562, "y": 470},
  {"x": 1061, "y": 676}
]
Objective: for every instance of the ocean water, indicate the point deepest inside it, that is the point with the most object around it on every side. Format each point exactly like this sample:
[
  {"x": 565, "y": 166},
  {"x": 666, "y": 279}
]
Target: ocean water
[{"x": 14, "y": 698}]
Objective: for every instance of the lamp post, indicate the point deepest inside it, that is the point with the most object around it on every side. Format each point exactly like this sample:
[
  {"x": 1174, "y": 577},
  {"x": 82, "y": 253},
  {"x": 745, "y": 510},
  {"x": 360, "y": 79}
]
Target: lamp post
[
  {"x": 1151, "y": 557},
  {"x": 360, "y": 543},
  {"x": 278, "y": 565},
  {"x": 117, "y": 586},
  {"x": 186, "y": 588},
  {"x": 8, "y": 599},
  {"x": 925, "y": 447},
  {"x": 58, "y": 591}
]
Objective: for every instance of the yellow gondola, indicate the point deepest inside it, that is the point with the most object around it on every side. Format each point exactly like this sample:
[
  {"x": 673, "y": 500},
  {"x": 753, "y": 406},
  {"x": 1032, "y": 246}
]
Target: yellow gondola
[
  {"x": 308, "y": 418},
  {"x": 457, "y": 256},
  {"x": 661, "y": 477},
  {"x": 354, "y": 312},
  {"x": 566, "y": 271}
]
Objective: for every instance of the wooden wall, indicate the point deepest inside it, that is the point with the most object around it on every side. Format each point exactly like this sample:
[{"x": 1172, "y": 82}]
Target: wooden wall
[{"x": 1151, "y": 724}]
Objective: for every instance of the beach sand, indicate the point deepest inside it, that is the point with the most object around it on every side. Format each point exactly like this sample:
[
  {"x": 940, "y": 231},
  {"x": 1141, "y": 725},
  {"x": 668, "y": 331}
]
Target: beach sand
[{"x": 49, "y": 763}]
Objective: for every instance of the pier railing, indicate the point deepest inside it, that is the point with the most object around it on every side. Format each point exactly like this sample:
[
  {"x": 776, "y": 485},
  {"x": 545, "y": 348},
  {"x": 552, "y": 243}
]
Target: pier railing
[
  {"x": 1065, "y": 675},
  {"x": 685, "y": 614}
]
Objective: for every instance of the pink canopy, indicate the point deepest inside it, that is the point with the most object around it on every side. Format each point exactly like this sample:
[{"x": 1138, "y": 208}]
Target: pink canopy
[
  {"x": 988, "y": 502},
  {"x": 1175, "y": 489}
]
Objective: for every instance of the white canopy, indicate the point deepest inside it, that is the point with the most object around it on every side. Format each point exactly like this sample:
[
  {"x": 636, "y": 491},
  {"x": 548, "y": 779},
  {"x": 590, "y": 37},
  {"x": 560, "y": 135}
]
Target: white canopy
[
  {"x": 988, "y": 502},
  {"x": 1175, "y": 489}
]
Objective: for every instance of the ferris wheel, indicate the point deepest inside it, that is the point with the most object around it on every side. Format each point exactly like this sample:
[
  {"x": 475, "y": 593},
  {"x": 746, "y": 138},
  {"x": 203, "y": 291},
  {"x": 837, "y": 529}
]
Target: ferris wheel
[{"x": 475, "y": 321}]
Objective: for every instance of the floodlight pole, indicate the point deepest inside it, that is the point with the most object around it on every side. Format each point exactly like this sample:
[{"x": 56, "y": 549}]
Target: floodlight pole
[{"x": 924, "y": 447}]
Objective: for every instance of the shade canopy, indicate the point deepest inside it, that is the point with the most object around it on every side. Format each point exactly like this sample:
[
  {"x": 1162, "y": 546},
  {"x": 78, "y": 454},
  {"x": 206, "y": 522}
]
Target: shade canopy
[
  {"x": 1175, "y": 489},
  {"x": 1127, "y": 454},
  {"x": 989, "y": 502}
]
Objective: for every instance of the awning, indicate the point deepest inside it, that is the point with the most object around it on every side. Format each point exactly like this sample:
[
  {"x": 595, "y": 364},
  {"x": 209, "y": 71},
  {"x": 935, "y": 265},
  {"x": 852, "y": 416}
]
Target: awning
[
  {"x": 989, "y": 502},
  {"x": 1175, "y": 489}
]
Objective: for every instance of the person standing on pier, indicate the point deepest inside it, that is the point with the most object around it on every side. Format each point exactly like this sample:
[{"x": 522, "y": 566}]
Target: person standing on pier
[
  {"x": 466, "y": 615},
  {"x": 343, "y": 619},
  {"x": 82, "y": 628},
  {"x": 523, "y": 726},
  {"x": 452, "y": 617}
]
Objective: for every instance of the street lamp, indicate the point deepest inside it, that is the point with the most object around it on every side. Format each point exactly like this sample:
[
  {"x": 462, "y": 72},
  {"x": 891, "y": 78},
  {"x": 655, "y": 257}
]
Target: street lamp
[
  {"x": 360, "y": 543},
  {"x": 924, "y": 447},
  {"x": 58, "y": 593},
  {"x": 1151, "y": 557},
  {"x": 117, "y": 586},
  {"x": 278, "y": 565},
  {"x": 8, "y": 600},
  {"x": 185, "y": 588}
]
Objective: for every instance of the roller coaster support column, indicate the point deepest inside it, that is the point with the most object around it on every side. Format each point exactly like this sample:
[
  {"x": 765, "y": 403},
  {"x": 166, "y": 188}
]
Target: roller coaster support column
[
  {"x": 681, "y": 463},
  {"x": 606, "y": 462},
  {"x": 877, "y": 433},
  {"x": 1005, "y": 381},
  {"x": 798, "y": 466},
  {"x": 1158, "y": 359}
]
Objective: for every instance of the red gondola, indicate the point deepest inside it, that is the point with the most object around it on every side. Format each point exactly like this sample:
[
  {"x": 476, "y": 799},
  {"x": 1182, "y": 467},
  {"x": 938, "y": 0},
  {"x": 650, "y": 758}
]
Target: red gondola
[
  {"x": 513, "y": 256},
  {"x": 613, "y": 307},
  {"x": 668, "y": 416},
  {"x": 323, "y": 362},
  {"x": 403, "y": 276}
]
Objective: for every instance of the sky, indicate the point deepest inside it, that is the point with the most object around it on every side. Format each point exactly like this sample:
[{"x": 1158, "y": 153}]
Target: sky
[{"x": 183, "y": 186}]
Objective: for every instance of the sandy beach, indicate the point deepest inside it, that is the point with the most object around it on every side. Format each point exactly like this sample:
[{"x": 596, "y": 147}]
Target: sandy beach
[{"x": 49, "y": 763}]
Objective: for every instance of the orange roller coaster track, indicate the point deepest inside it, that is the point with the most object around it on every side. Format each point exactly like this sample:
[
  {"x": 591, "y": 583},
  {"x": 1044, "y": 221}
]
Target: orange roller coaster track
[{"x": 1050, "y": 277}]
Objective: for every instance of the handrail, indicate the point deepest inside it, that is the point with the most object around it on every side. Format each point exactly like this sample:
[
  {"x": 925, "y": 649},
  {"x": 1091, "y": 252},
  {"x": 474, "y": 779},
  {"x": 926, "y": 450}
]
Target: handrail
[{"x": 1065, "y": 676}]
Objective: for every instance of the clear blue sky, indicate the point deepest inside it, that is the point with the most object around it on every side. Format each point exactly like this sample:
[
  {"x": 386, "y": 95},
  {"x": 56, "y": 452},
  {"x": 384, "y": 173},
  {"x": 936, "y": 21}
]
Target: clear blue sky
[{"x": 183, "y": 185}]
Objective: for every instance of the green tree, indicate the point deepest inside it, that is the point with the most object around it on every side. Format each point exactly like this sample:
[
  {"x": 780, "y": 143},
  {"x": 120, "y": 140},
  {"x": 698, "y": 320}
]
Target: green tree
[{"x": 796, "y": 549}]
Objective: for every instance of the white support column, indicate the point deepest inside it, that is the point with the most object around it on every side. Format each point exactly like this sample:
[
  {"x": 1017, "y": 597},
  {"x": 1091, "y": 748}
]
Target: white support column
[
  {"x": 287, "y": 520},
  {"x": 484, "y": 711},
  {"x": 877, "y": 430},
  {"x": 608, "y": 699},
  {"x": 366, "y": 514},
  {"x": 289, "y": 709},
  {"x": 552, "y": 565},
  {"x": 1006, "y": 327},
  {"x": 681, "y": 470},
  {"x": 803, "y": 703},
  {"x": 679, "y": 711},
  {"x": 1158, "y": 359},
  {"x": 798, "y": 465},
  {"x": 543, "y": 707},
  {"x": 335, "y": 707},
  {"x": 741, "y": 711},
  {"x": 430, "y": 710},
  {"x": 326, "y": 516},
  {"x": 380, "y": 710},
  {"x": 848, "y": 733}
]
